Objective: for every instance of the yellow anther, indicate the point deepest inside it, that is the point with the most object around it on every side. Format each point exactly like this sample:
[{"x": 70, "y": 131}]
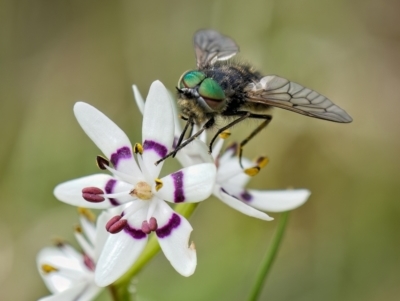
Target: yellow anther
[
  {"x": 159, "y": 184},
  {"x": 192, "y": 246},
  {"x": 78, "y": 229},
  {"x": 47, "y": 269},
  {"x": 59, "y": 242},
  {"x": 225, "y": 134},
  {"x": 138, "y": 148},
  {"x": 262, "y": 161},
  {"x": 252, "y": 171},
  {"x": 89, "y": 215}
]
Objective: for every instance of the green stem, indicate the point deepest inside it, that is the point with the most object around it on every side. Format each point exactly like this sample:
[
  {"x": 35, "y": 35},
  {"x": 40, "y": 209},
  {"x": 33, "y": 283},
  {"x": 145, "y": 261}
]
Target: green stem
[
  {"x": 119, "y": 289},
  {"x": 269, "y": 258}
]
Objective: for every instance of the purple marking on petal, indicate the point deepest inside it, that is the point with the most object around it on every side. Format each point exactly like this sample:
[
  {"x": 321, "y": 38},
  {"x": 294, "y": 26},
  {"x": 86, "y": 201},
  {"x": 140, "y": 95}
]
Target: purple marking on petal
[
  {"x": 160, "y": 149},
  {"x": 109, "y": 189},
  {"x": 134, "y": 233},
  {"x": 122, "y": 153},
  {"x": 173, "y": 223},
  {"x": 246, "y": 196},
  {"x": 179, "y": 195}
]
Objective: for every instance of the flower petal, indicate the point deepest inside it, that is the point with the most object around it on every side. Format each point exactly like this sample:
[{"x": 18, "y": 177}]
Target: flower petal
[
  {"x": 239, "y": 205},
  {"x": 89, "y": 228},
  {"x": 278, "y": 200},
  {"x": 177, "y": 128},
  {"x": 83, "y": 242},
  {"x": 195, "y": 152},
  {"x": 138, "y": 98},
  {"x": 101, "y": 232},
  {"x": 173, "y": 235},
  {"x": 158, "y": 128},
  {"x": 69, "y": 268},
  {"x": 121, "y": 250},
  {"x": 217, "y": 148},
  {"x": 228, "y": 154},
  {"x": 70, "y": 192},
  {"x": 189, "y": 185},
  {"x": 230, "y": 171},
  {"x": 80, "y": 292},
  {"x": 108, "y": 137}
]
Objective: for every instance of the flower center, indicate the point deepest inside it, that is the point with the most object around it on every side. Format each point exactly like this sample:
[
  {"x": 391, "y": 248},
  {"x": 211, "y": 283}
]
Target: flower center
[{"x": 142, "y": 190}]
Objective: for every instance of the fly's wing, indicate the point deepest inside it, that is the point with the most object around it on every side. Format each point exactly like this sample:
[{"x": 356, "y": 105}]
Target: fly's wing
[
  {"x": 279, "y": 92},
  {"x": 211, "y": 46}
]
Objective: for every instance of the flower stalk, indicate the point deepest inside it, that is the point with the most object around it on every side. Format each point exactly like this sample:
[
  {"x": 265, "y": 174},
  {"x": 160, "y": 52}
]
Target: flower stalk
[{"x": 269, "y": 258}]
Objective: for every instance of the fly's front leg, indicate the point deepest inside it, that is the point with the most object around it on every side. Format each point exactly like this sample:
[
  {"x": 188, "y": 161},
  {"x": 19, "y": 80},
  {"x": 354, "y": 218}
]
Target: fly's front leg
[{"x": 188, "y": 123}]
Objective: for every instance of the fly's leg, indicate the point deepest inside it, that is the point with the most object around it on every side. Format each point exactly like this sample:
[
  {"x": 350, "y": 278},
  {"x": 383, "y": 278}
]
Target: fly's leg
[
  {"x": 189, "y": 122},
  {"x": 206, "y": 126},
  {"x": 267, "y": 120},
  {"x": 242, "y": 117}
]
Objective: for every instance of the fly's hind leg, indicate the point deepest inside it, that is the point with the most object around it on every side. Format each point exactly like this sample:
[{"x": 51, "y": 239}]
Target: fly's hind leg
[
  {"x": 263, "y": 161},
  {"x": 243, "y": 116}
]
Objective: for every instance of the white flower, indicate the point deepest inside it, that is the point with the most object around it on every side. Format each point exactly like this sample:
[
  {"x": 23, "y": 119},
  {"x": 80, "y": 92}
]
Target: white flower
[
  {"x": 232, "y": 179},
  {"x": 140, "y": 187},
  {"x": 69, "y": 274}
]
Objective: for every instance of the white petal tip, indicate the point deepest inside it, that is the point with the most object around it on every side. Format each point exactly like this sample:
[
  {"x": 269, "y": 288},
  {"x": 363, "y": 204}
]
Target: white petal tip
[
  {"x": 80, "y": 104},
  {"x": 189, "y": 269}
]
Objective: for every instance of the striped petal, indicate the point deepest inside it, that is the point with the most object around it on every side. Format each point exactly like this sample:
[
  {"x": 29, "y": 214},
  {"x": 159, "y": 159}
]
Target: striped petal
[
  {"x": 121, "y": 250},
  {"x": 158, "y": 128},
  {"x": 108, "y": 137},
  {"x": 173, "y": 235},
  {"x": 238, "y": 205},
  {"x": 190, "y": 184},
  {"x": 276, "y": 201},
  {"x": 71, "y": 192}
]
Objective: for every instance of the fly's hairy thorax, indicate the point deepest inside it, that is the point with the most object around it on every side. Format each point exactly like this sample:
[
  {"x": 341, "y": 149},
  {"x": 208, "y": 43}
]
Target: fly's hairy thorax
[{"x": 233, "y": 77}]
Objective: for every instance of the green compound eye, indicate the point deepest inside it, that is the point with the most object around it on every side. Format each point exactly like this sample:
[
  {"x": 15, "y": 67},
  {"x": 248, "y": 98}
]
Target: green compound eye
[
  {"x": 191, "y": 79},
  {"x": 210, "y": 89}
]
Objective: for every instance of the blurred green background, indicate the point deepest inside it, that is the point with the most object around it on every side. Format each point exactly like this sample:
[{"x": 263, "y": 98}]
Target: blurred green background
[{"x": 343, "y": 244}]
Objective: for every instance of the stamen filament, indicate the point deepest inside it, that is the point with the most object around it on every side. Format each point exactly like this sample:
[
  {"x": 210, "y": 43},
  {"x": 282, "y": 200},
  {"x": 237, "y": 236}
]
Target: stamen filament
[
  {"x": 128, "y": 178},
  {"x": 115, "y": 195}
]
